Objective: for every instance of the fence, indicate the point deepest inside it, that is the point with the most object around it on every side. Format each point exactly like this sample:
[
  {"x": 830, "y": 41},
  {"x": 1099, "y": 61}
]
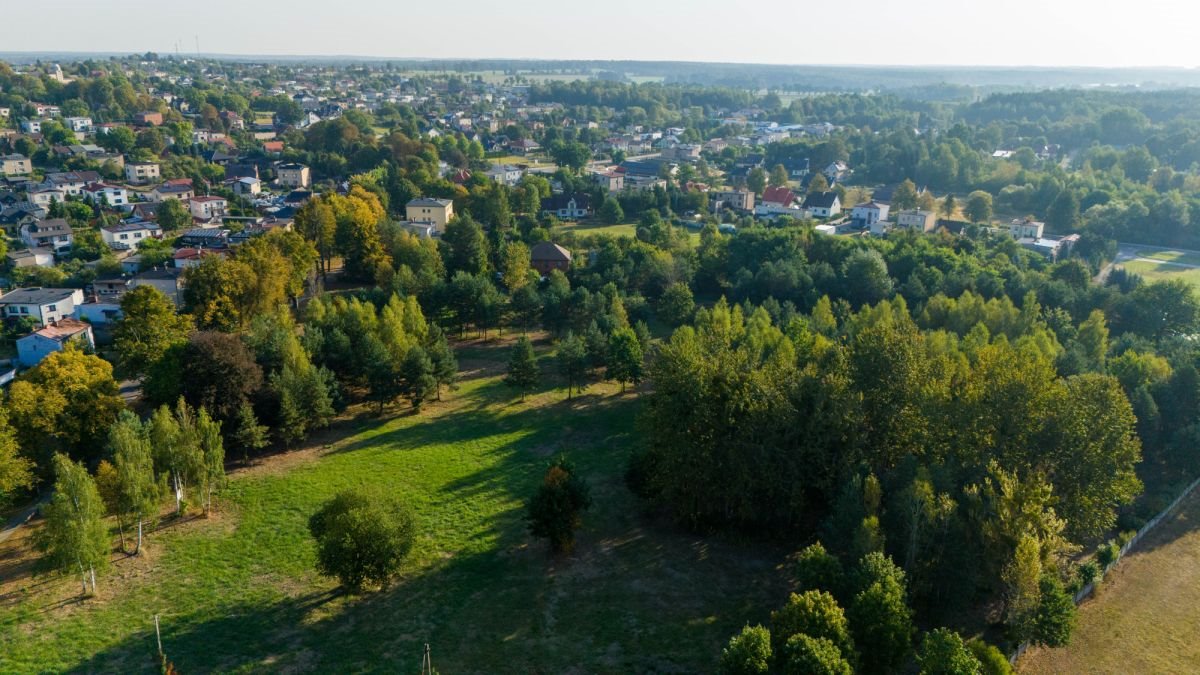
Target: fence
[{"x": 1086, "y": 592}]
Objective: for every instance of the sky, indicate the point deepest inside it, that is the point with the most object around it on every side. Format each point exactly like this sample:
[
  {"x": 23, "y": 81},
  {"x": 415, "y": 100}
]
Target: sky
[{"x": 871, "y": 32}]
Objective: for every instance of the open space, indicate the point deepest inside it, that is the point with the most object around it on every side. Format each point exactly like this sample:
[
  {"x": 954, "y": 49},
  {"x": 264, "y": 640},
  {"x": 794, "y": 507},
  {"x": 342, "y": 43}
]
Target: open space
[
  {"x": 1154, "y": 271},
  {"x": 238, "y": 591},
  {"x": 1144, "y": 618}
]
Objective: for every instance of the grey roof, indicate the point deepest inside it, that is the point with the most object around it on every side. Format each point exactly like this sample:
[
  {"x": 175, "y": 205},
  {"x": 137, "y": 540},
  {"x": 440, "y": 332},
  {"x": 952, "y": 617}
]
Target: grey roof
[
  {"x": 820, "y": 200},
  {"x": 549, "y": 252},
  {"x": 132, "y": 227},
  {"x": 430, "y": 201},
  {"x": 36, "y": 296}
]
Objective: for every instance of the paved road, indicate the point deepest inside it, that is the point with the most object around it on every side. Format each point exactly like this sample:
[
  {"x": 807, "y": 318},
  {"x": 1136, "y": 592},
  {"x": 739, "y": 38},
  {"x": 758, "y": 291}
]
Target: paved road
[{"x": 21, "y": 518}]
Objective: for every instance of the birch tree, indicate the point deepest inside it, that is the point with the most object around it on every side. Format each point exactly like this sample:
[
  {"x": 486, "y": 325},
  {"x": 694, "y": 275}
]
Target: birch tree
[
  {"x": 74, "y": 538},
  {"x": 138, "y": 494}
]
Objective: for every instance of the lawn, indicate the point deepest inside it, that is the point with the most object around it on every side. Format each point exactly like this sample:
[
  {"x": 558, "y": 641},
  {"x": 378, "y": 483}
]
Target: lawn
[
  {"x": 1183, "y": 257},
  {"x": 619, "y": 230},
  {"x": 1144, "y": 618},
  {"x": 1159, "y": 272},
  {"x": 237, "y": 592}
]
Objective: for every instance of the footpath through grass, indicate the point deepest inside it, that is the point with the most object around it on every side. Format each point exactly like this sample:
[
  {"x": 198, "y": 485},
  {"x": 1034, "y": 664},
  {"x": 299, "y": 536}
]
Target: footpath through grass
[
  {"x": 237, "y": 592},
  {"x": 1144, "y": 617}
]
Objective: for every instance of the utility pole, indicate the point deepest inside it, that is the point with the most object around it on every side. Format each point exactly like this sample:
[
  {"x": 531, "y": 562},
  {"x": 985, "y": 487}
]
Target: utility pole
[{"x": 427, "y": 662}]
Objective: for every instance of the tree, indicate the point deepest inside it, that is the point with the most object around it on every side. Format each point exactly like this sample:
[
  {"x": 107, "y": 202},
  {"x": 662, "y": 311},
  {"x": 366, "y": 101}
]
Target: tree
[
  {"x": 249, "y": 435},
  {"x": 417, "y": 376},
  {"x": 756, "y": 180},
  {"x": 466, "y": 246},
  {"x": 675, "y": 305},
  {"x": 445, "y": 366},
  {"x": 625, "y": 362},
  {"x": 68, "y": 401},
  {"x": 572, "y": 362},
  {"x": 807, "y": 655},
  {"x": 316, "y": 222},
  {"x": 556, "y": 510},
  {"x": 1056, "y": 614},
  {"x": 526, "y": 305},
  {"x": 748, "y": 652},
  {"x": 148, "y": 327},
  {"x": 904, "y": 197},
  {"x": 949, "y": 206},
  {"x": 611, "y": 212},
  {"x": 176, "y": 448},
  {"x": 74, "y": 538},
  {"x": 865, "y": 277},
  {"x": 1063, "y": 213},
  {"x": 944, "y": 653},
  {"x": 779, "y": 176},
  {"x": 817, "y": 570},
  {"x": 362, "y": 539},
  {"x": 523, "y": 370},
  {"x": 1022, "y": 576},
  {"x": 812, "y": 613},
  {"x": 818, "y": 183},
  {"x": 879, "y": 615},
  {"x": 172, "y": 215},
  {"x": 138, "y": 494},
  {"x": 221, "y": 373},
  {"x": 515, "y": 265},
  {"x": 979, "y": 207},
  {"x": 212, "y": 451},
  {"x": 16, "y": 472}
]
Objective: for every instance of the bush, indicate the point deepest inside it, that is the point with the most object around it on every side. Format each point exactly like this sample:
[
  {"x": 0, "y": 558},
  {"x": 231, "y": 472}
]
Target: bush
[
  {"x": 1056, "y": 614},
  {"x": 817, "y": 570},
  {"x": 1125, "y": 537},
  {"x": 638, "y": 473},
  {"x": 1088, "y": 572},
  {"x": 555, "y": 511},
  {"x": 1106, "y": 554},
  {"x": 361, "y": 539},
  {"x": 806, "y": 655},
  {"x": 943, "y": 653},
  {"x": 991, "y": 659},
  {"x": 748, "y": 653}
]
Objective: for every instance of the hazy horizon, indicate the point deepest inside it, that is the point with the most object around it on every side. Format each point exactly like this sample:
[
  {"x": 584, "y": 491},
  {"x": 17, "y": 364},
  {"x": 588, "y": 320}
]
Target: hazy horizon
[{"x": 937, "y": 33}]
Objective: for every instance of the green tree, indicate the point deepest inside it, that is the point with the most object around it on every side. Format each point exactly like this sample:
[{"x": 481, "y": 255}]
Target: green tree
[
  {"x": 526, "y": 306},
  {"x": 572, "y": 362},
  {"x": 515, "y": 265},
  {"x": 944, "y": 653},
  {"x": 676, "y": 306},
  {"x": 779, "y": 176},
  {"x": 979, "y": 207},
  {"x": 176, "y": 447},
  {"x": 316, "y": 222},
  {"x": 807, "y": 655},
  {"x": 949, "y": 206},
  {"x": 16, "y": 472},
  {"x": 148, "y": 327},
  {"x": 1063, "y": 213},
  {"x": 748, "y": 653},
  {"x": 904, "y": 197},
  {"x": 879, "y": 615},
  {"x": 465, "y": 246},
  {"x": 138, "y": 493},
  {"x": 1056, "y": 614},
  {"x": 74, "y": 539},
  {"x": 625, "y": 362},
  {"x": 417, "y": 376},
  {"x": 611, "y": 212},
  {"x": 756, "y": 180},
  {"x": 172, "y": 215},
  {"x": 523, "y": 370},
  {"x": 249, "y": 436},
  {"x": 818, "y": 183},
  {"x": 362, "y": 539},
  {"x": 445, "y": 366},
  {"x": 865, "y": 277},
  {"x": 556, "y": 510},
  {"x": 816, "y": 614},
  {"x": 212, "y": 451},
  {"x": 817, "y": 570}
]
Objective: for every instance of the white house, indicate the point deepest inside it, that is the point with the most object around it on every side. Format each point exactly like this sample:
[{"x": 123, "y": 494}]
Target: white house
[
  {"x": 294, "y": 175},
  {"x": 52, "y": 233},
  {"x": 54, "y": 337},
  {"x": 920, "y": 221},
  {"x": 247, "y": 185},
  {"x": 31, "y": 257},
  {"x": 43, "y": 304},
  {"x": 140, "y": 173},
  {"x": 125, "y": 236},
  {"x": 43, "y": 196},
  {"x": 206, "y": 207},
  {"x": 568, "y": 207},
  {"x": 505, "y": 174},
  {"x": 1026, "y": 228},
  {"x": 31, "y": 126},
  {"x": 79, "y": 124},
  {"x": 870, "y": 213},
  {"x": 103, "y": 193},
  {"x": 823, "y": 204}
]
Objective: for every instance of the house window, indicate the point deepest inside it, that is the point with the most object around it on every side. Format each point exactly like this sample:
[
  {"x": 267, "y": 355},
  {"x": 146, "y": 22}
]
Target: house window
[
  {"x": 24, "y": 310},
  {"x": 52, "y": 308}
]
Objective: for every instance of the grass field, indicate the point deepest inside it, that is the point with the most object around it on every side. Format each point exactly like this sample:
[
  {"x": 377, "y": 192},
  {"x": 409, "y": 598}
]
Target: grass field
[
  {"x": 1184, "y": 257},
  {"x": 1144, "y": 618},
  {"x": 1159, "y": 272},
  {"x": 237, "y": 592}
]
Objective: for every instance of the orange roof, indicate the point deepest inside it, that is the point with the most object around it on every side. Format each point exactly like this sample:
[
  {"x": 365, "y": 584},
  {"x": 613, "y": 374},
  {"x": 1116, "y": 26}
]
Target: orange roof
[{"x": 65, "y": 328}]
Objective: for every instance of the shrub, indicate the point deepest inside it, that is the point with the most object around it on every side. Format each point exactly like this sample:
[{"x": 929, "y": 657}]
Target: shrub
[
  {"x": 817, "y": 570},
  {"x": 361, "y": 539},
  {"x": 1106, "y": 554},
  {"x": 748, "y": 653},
  {"x": 1088, "y": 572},
  {"x": 816, "y": 614},
  {"x": 991, "y": 659},
  {"x": 943, "y": 653},
  {"x": 1125, "y": 537},
  {"x": 806, "y": 655},
  {"x": 1056, "y": 614},
  {"x": 555, "y": 511}
]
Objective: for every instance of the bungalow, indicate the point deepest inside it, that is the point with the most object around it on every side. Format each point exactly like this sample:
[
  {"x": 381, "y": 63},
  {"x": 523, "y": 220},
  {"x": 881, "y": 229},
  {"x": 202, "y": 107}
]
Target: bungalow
[
  {"x": 568, "y": 207},
  {"x": 125, "y": 236},
  {"x": 823, "y": 204},
  {"x": 524, "y": 146},
  {"x": 546, "y": 257},
  {"x": 44, "y": 196},
  {"x": 31, "y": 257},
  {"x": 779, "y": 196},
  {"x": 54, "y": 337},
  {"x": 43, "y": 304},
  {"x": 54, "y": 233},
  {"x": 273, "y": 147},
  {"x": 206, "y": 208}
]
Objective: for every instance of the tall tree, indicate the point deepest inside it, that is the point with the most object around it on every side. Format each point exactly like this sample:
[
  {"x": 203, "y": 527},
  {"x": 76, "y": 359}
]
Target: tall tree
[
  {"x": 74, "y": 538},
  {"x": 138, "y": 493},
  {"x": 466, "y": 246},
  {"x": 523, "y": 370},
  {"x": 572, "y": 362},
  {"x": 16, "y": 471},
  {"x": 212, "y": 451},
  {"x": 315, "y": 221},
  {"x": 904, "y": 197},
  {"x": 148, "y": 327},
  {"x": 625, "y": 360},
  {"x": 176, "y": 447},
  {"x": 979, "y": 207},
  {"x": 756, "y": 180},
  {"x": 249, "y": 435},
  {"x": 555, "y": 512},
  {"x": 779, "y": 176}
]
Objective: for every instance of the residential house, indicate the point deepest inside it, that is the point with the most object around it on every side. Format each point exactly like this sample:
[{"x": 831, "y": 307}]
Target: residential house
[
  {"x": 167, "y": 279},
  {"x": 524, "y": 146},
  {"x": 294, "y": 175},
  {"x": 823, "y": 204},
  {"x": 247, "y": 186},
  {"x": 141, "y": 173},
  {"x": 738, "y": 200},
  {"x": 568, "y": 207},
  {"x": 54, "y": 337},
  {"x": 241, "y": 170},
  {"x": 125, "y": 236},
  {"x": 42, "y": 304},
  {"x": 505, "y": 174},
  {"x": 796, "y": 167},
  {"x": 44, "y": 196},
  {"x": 71, "y": 182},
  {"x": 546, "y": 257},
  {"x": 78, "y": 124},
  {"x": 148, "y": 118},
  {"x": 110, "y": 290},
  {"x": 430, "y": 210},
  {"x": 610, "y": 179},
  {"x": 13, "y": 218},
  {"x": 1026, "y": 228},
  {"x": 205, "y": 237},
  {"x": 172, "y": 191},
  {"x": 103, "y": 193},
  {"x": 273, "y": 147},
  {"x": 31, "y": 257},
  {"x": 869, "y": 213},
  {"x": 53, "y": 233},
  {"x": 15, "y": 165},
  {"x": 836, "y": 171},
  {"x": 207, "y": 208},
  {"x": 190, "y": 257},
  {"x": 778, "y": 195},
  {"x": 917, "y": 220},
  {"x": 31, "y": 126}
]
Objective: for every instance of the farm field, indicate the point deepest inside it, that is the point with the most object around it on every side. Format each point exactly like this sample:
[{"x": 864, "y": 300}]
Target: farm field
[
  {"x": 1144, "y": 619},
  {"x": 238, "y": 592}
]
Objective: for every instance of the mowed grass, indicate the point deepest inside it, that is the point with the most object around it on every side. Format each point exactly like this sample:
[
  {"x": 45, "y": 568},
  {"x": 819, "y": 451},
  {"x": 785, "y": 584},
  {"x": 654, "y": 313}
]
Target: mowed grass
[
  {"x": 1152, "y": 271},
  {"x": 1182, "y": 257},
  {"x": 593, "y": 226},
  {"x": 1144, "y": 618},
  {"x": 237, "y": 592}
]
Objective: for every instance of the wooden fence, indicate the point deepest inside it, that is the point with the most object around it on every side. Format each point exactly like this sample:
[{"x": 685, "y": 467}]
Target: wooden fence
[{"x": 1086, "y": 592}]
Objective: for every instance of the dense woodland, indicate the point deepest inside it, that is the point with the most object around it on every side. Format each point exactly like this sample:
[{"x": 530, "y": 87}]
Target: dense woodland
[{"x": 954, "y": 418}]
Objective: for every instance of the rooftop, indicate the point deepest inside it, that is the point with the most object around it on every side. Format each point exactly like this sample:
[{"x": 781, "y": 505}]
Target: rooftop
[{"x": 36, "y": 295}]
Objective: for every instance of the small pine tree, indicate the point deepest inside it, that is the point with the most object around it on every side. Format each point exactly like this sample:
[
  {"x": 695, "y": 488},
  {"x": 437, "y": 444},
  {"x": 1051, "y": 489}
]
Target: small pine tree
[
  {"x": 523, "y": 370},
  {"x": 417, "y": 376},
  {"x": 250, "y": 435},
  {"x": 556, "y": 510},
  {"x": 572, "y": 362},
  {"x": 445, "y": 366}
]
